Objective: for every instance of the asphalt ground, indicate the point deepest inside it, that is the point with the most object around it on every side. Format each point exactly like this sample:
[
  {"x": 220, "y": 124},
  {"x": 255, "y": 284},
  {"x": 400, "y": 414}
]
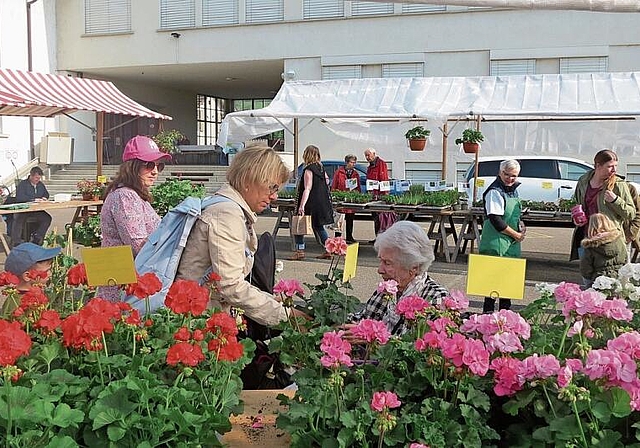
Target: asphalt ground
[{"x": 546, "y": 250}]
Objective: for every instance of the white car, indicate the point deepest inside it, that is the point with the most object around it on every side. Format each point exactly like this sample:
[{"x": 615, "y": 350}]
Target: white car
[{"x": 542, "y": 178}]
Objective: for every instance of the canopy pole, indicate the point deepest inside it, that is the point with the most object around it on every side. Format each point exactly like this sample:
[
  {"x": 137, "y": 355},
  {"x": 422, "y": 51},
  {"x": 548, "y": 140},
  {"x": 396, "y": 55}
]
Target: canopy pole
[
  {"x": 295, "y": 148},
  {"x": 475, "y": 171},
  {"x": 445, "y": 135},
  {"x": 99, "y": 142}
]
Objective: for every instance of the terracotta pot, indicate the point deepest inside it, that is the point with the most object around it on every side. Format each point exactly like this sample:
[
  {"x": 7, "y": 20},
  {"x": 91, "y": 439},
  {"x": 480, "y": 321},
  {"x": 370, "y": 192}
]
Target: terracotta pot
[
  {"x": 470, "y": 148},
  {"x": 87, "y": 196},
  {"x": 417, "y": 144}
]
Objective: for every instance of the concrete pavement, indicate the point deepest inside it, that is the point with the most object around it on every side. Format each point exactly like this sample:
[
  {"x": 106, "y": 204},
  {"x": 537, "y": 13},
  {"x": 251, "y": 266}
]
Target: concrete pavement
[{"x": 545, "y": 248}]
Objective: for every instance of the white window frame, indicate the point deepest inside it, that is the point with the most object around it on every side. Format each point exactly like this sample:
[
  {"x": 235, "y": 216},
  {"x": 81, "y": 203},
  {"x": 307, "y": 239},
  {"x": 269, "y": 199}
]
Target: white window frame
[
  {"x": 330, "y": 72},
  {"x": 322, "y": 9},
  {"x": 176, "y": 14},
  {"x": 220, "y": 12},
  {"x": 107, "y": 16},
  {"x": 264, "y": 11},
  {"x": 597, "y": 64},
  {"x": 506, "y": 67}
]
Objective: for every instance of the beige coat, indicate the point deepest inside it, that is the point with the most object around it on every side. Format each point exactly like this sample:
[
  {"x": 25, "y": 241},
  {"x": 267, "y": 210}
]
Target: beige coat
[{"x": 224, "y": 238}]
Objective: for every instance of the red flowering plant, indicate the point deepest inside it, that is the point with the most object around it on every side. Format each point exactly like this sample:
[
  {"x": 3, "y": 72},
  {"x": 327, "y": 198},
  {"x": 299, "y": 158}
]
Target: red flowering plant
[{"x": 103, "y": 375}]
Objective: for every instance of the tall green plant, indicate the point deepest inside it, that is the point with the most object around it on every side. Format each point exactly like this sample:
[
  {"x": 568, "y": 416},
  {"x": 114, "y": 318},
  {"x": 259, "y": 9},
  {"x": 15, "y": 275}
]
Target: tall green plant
[{"x": 170, "y": 193}]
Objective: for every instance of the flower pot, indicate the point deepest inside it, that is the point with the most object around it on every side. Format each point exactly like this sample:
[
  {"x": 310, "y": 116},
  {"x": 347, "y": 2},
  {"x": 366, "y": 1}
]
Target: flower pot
[
  {"x": 470, "y": 148},
  {"x": 417, "y": 144},
  {"x": 87, "y": 196}
]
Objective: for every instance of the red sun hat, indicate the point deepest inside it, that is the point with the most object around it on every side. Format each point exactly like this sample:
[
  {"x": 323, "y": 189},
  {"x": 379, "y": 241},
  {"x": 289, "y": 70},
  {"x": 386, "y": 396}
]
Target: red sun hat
[{"x": 143, "y": 148}]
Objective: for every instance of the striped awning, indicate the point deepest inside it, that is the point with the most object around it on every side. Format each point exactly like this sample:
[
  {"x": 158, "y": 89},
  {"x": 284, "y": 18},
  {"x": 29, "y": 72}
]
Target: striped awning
[{"x": 34, "y": 94}]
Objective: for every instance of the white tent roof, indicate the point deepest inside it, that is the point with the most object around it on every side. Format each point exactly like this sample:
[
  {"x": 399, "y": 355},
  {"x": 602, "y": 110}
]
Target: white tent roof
[{"x": 439, "y": 98}]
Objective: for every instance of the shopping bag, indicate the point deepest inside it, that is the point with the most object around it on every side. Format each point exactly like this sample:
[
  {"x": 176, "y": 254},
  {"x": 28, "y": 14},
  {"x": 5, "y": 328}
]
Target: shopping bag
[{"x": 301, "y": 225}]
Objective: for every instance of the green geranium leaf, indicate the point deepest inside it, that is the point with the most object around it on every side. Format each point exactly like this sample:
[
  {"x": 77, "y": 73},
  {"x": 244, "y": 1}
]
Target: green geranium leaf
[
  {"x": 348, "y": 419},
  {"x": 606, "y": 439},
  {"x": 64, "y": 416},
  {"x": 62, "y": 442},
  {"x": 115, "y": 433},
  {"x": 621, "y": 403}
]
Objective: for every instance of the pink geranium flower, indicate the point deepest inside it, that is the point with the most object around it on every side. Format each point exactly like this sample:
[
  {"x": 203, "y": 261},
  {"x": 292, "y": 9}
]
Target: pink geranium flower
[
  {"x": 627, "y": 343},
  {"x": 370, "y": 330},
  {"x": 382, "y": 401},
  {"x": 507, "y": 375},
  {"x": 476, "y": 357},
  {"x": 565, "y": 375},
  {"x": 431, "y": 339},
  {"x": 453, "y": 348},
  {"x": 336, "y": 246},
  {"x": 540, "y": 367},
  {"x": 612, "y": 365},
  {"x": 565, "y": 291},
  {"x": 456, "y": 301},
  {"x": 289, "y": 287},
  {"x": 336, "y": 350},
  {"x": 388, "y": 287},
  {"x": 412, "y": 306}
]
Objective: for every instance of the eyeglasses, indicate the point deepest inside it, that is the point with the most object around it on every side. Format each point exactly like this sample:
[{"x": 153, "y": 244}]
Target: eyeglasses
[
  {"x": 151, "y": 165},
  {"x": 509, "y": 175},
  {"x": 273, "y": 189}
]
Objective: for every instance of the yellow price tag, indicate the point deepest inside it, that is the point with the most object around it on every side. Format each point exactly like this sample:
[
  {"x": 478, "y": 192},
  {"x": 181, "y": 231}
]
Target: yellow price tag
[
  {"x": 102, "y": 179},
  {"x": 480, "y": 183},
  {"x": 547, "y": 185}
]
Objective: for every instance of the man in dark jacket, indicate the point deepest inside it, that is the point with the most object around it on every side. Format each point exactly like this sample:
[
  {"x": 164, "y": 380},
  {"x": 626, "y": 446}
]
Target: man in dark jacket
[{"x": 29, "y": 190}]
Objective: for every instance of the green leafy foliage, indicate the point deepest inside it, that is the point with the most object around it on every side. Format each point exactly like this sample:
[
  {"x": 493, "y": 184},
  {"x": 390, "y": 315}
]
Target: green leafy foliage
[
  {"x": 417, "y": 133},
  {"x": 470, "y": 136},
  {"x": 88, "y": 233},
  {"x": 429, "y": 198},
  {"x": 351, "y": 197},
  {"x": 168, "y": 140},
  {"x": 171, "y": 192}
]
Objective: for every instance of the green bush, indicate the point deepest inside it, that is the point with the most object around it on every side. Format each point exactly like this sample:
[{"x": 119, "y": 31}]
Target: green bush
[{"x": 170, "y": 193}]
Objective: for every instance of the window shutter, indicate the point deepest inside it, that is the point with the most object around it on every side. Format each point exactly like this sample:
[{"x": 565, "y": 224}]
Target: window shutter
[
  {"x": 584, "y": 65},
  {"x": 320, "y": 9},
  {"x": 219, "y": 12},
  {"x": 411, "y": 70},
  {"x": 107, "y": 16},
  {"x": 177, "y": 13},
  {"x": 370, "y": 8},
  {"x": 262, "y": 11},
  {"x": 513, "y": 67},
  {"x": 416, "y": 7},
  {"x": 419, "y": 172},
  {"x": 342, "y": 72}
]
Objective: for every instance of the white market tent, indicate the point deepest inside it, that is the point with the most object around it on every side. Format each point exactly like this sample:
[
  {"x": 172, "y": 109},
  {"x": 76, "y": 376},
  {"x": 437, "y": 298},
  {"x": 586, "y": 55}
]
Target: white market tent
[{"x": 440, "y": 99}]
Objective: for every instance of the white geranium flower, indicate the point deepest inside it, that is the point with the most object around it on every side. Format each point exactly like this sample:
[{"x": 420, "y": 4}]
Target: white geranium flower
[
  {"x": 604, "y": 283},
  {"x": 630, "y": 271}
]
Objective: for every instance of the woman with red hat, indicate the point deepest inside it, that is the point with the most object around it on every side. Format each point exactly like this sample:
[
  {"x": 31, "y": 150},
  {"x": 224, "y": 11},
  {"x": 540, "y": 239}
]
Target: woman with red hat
[{"x": 127, "y": 217}]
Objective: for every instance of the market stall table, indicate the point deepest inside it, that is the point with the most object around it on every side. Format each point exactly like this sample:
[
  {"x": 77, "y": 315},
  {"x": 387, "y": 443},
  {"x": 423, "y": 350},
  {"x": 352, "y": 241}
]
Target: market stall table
[{"x": 81, "y": 213}]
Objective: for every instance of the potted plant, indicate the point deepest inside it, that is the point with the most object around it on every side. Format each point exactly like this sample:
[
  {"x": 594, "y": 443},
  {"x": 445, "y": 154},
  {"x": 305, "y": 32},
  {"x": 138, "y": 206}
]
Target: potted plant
[
  {"x": 168, "y": 141},
  {"x": 90, "y": 190},
  {"x": 470, "y": 140},
  {"x": 417, "y": 137}
]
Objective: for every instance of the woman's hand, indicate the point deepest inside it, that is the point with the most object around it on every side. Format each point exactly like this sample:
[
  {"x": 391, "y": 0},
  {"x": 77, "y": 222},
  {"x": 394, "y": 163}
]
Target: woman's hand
[{"x": 609, "y": 196}]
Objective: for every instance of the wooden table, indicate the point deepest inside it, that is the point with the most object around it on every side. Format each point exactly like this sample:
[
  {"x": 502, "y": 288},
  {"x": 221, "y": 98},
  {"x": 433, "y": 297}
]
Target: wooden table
[{"x": 81, "y": 213}]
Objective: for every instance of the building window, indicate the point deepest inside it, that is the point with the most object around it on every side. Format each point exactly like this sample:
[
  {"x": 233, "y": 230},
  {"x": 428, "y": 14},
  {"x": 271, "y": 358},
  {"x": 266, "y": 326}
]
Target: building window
[
  {"x": 420, "y": 172},
  {"x": 342, "y": 72},
  {"x": 584, "y": 65},
  {"x": 177, "y": 13},
  {"x": 107, "y": 16},
  {"x": 508, "y": 67},
  {"x": 219, "y": 12},
  {"x": 322, "y": 9},
  {"x": 370, "y": 8},
  {"x": 275, "y": 139},
  {"x": 210, "y": 113},
  {"x": 411, "y": 70},
  {"x": 264, "y": 11},
  {"x": 408, "y": 8}
]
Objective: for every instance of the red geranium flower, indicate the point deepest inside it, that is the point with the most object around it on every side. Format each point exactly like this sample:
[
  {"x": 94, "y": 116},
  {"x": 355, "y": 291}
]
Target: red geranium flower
[
  {"x": 14, "y": 342},
  {"x": 33, "y": 299},
  {"x": 85, "y": 328},
  {"x": 186, "y": 296},
  {"x": 37, "y": 276},
  {"x": 48, "y": 322},
  {"x": 212, "y": 277},
  {"x": 77, "y": 275},
  {"x": 226, "y": 350},
  {"x": 184, "y": 352},
  {"x": 8, "y": 278},
  {"x": 183, "y": 334},
  {"x": 133, "y": 318},
  {"x": 222, "y": 324},
  {"x": 148, "y": 284}
]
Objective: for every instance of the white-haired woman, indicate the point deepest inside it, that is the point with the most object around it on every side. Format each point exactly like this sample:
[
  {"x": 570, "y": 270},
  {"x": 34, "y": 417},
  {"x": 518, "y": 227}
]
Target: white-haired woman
[
  {"x": 405, "y": 253},
  {"x": 502, "y": 230}
]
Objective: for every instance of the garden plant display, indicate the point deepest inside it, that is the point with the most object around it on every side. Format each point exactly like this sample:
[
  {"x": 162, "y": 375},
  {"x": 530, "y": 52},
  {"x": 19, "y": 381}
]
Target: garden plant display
[
  {"x": 96, "y": 373},
  {"x": 563, "y": 372}
]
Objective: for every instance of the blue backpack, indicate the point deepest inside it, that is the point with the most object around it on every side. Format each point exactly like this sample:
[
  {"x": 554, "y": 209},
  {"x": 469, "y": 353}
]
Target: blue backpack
[{"x": 162, "y": 252}]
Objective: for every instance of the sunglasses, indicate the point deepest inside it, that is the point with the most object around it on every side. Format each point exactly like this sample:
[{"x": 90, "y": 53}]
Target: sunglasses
[{"x": 151, "y": 165}]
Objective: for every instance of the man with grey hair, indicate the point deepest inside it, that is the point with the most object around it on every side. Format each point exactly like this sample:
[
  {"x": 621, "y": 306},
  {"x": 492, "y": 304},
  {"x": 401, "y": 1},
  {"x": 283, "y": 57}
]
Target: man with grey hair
[
  {"x": 404, "y": 253},
  {"x": 502, "y": 230},
  {"x": 377, "y": 170}
]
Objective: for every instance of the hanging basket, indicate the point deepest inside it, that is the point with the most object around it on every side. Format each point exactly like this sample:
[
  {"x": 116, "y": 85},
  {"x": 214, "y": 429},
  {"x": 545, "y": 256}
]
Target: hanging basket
[
  {"x": 417, "y": 144},
  {"x": 470, "y": 148}
]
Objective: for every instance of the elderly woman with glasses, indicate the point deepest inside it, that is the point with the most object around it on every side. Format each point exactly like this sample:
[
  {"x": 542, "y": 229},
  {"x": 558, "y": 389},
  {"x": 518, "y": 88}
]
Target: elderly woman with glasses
[
  {"x": 404, "y": 253},
  {"x": 224, "y": 240},
  {"x": 502, "y": 230}
]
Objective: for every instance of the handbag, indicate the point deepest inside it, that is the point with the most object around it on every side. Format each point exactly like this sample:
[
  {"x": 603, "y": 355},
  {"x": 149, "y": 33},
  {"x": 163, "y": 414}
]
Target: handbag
[{"x": 301, "y": 225}]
